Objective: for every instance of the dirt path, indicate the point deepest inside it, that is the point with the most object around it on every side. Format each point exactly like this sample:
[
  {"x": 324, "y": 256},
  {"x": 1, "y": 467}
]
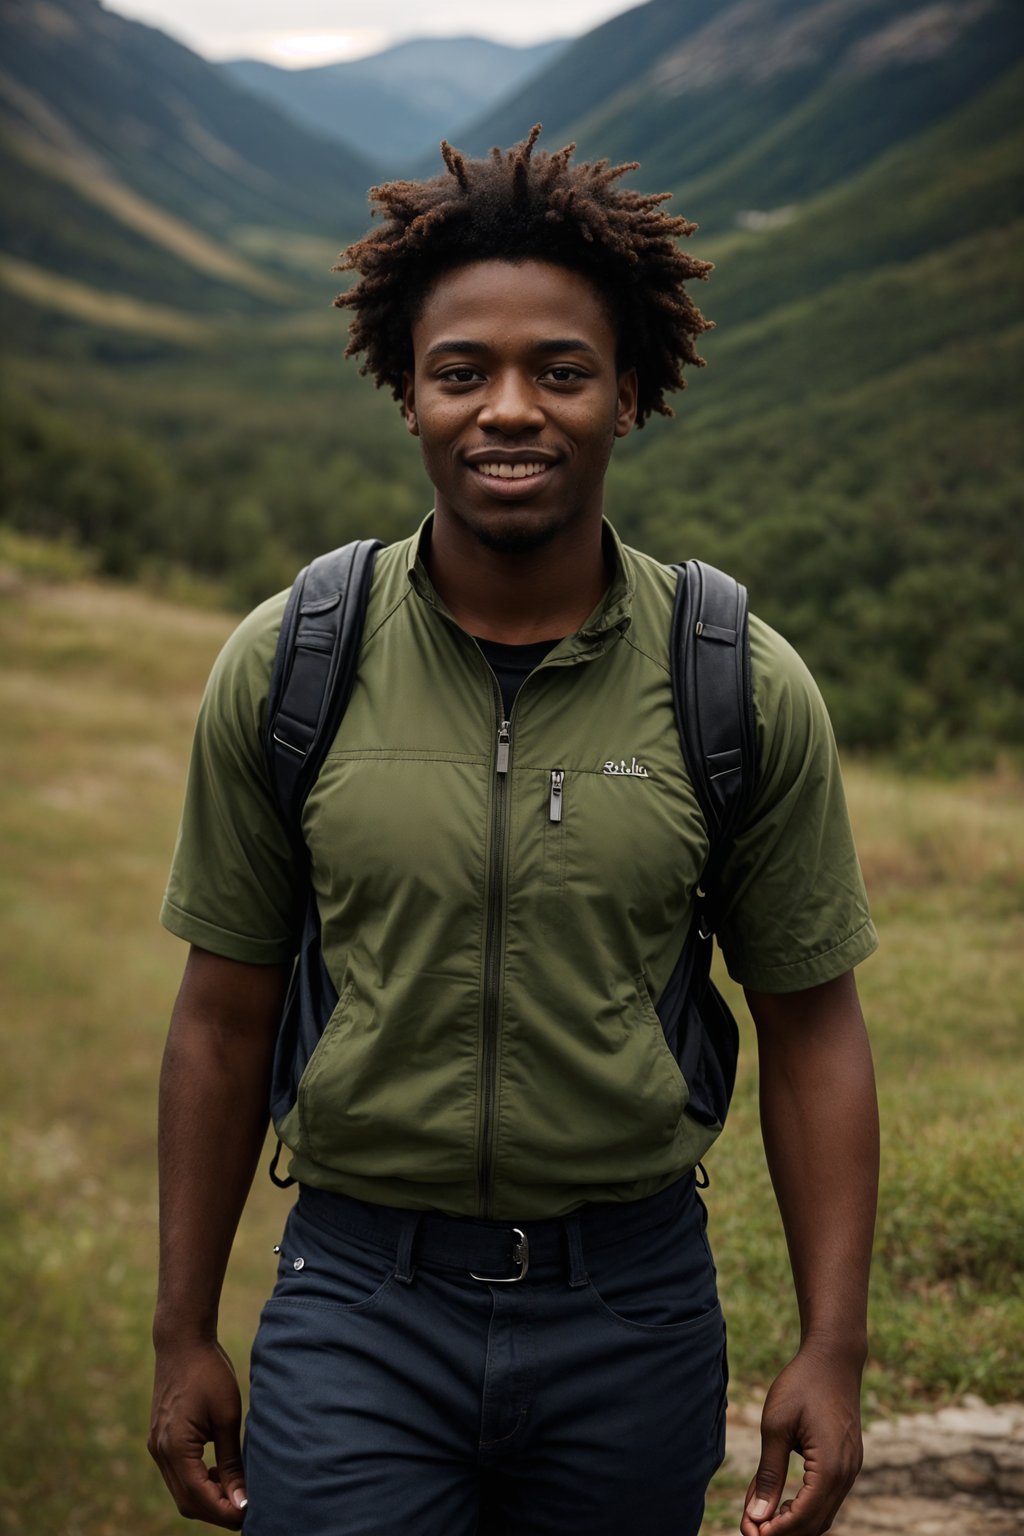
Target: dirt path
[{"x": 957, "y": 1472}]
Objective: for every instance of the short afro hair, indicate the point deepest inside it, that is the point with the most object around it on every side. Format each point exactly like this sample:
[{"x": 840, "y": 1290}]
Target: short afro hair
[{"x": 521, "y": 205}]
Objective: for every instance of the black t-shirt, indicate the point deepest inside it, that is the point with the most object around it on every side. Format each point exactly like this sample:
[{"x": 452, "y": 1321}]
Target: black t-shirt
[{"x": 512, "y": 664}]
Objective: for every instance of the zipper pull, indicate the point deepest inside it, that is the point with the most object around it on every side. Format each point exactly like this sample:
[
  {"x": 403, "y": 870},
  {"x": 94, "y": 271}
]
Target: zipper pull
[
  {"x": 504, "y": 745},
  {"x": 555, "y": 807}
]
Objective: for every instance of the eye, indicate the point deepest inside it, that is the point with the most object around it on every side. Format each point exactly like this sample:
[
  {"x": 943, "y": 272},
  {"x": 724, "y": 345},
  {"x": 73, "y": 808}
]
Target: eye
[
  {"x": 461, "y": 374},
  {"x": 563, "y": 373}
]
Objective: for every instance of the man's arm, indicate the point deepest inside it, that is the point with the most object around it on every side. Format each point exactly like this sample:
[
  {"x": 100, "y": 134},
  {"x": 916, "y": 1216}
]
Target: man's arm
[
  {"x": 213, "y": 1117},
  {"x": 819, "y": 1118}
]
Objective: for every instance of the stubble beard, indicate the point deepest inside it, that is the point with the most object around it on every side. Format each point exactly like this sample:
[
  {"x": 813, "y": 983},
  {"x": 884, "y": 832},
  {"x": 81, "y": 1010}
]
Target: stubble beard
[{"x": 514, "y": 537}]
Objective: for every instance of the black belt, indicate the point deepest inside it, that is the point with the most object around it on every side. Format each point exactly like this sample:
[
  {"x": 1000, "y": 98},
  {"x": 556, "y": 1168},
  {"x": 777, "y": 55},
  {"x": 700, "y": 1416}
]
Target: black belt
[{"x": 488, "y": 1249}]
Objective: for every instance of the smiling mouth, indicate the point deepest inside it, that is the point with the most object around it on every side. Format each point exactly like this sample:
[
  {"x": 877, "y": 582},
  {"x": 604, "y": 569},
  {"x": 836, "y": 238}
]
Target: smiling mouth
[{"x": 504, "y": 471}]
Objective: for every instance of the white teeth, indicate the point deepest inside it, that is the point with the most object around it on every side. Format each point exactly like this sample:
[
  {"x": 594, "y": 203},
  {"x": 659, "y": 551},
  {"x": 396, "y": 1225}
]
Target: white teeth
[{"x": 511, "y": 471}]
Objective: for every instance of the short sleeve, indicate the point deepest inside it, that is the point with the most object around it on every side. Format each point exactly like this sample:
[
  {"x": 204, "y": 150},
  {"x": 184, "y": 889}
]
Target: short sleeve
[
  {"x": 795, "y": 912},
  {"x": 232, "y": 882}
]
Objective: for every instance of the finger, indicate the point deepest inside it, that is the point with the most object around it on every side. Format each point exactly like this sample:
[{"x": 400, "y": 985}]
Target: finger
[
  {"x": 769, "y": 1480},
  {"x": 204, "y": 1497},
  {"x": 810, "y": 1512},
  {"x": 188, "y": 1501},
  {"x": 227, "y": 1448},
  {"x": 229, "y": 1469},
  {"x": 168, "y": 1457},
  {"x": 174, "y": 1484}
]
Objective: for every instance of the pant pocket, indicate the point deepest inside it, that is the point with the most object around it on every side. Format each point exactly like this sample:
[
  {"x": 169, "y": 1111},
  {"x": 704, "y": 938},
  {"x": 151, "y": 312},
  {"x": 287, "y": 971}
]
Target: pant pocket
[
  {"x": 662, "y": 1279},
  {"x": 322, "y": 1267}
]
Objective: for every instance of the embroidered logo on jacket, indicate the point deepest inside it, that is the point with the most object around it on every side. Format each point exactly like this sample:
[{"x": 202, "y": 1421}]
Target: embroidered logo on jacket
[{"x": 634, "y": 769}]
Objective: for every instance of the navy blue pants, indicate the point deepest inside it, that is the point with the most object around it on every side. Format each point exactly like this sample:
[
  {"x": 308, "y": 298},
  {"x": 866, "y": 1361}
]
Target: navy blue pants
[{"x": 394, "y": 1393}]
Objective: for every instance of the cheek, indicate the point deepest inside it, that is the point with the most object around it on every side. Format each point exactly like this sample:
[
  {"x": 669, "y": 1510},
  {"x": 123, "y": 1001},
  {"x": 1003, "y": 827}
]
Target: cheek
[
  {"x": 592, "y": 425},
  {"x": 440, "y": 421},
  {"x": 438, "y": 448},
  {"x": 595, "y": 437}
]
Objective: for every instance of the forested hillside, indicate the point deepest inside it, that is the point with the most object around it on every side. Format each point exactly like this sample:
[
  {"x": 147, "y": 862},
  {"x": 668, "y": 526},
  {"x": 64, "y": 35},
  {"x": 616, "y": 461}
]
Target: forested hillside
[{"x": 176, "y": 399}]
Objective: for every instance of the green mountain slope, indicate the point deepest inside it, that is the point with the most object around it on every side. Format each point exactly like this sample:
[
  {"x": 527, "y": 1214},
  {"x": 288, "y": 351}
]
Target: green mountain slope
[
  {"x": 51, "y": 223},
  {"x": 131, "y": 162},
  {"x": 168, "y": 123},
  {"x": 820, "y": 346},
  {"x": 895, "y": 213},
  {"x": 754, "y": 104},
  {"x": 588, "y": 73},
  {"x": 853, "y": 452},
  {"x": 396, "y": 106},
  {"x": 876, "y": 98}
]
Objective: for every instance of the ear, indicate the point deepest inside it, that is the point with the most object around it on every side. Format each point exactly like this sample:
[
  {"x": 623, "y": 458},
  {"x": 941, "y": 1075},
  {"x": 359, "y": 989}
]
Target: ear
[
  {"x": 625, "y": 415},
  {"x": 409, "y": 403}
]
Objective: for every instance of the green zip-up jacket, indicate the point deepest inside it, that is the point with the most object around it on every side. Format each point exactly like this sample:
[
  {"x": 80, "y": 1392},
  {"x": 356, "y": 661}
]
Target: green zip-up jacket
[{"x": 502, "y": 902}]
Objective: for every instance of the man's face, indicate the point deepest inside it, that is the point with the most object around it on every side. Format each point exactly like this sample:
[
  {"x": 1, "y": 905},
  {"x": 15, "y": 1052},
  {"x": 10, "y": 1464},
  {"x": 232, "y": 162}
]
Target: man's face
[{"x": 516, "y": 399}]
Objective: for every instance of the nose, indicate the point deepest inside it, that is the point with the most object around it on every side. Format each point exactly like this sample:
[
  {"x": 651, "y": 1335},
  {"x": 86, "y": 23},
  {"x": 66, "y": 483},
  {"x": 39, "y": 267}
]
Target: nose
[{"x": 512, "y": 405}]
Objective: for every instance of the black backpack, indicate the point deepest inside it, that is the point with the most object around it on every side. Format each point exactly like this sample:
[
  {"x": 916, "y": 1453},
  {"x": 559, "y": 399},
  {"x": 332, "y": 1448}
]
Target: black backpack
[{"x": 310, "y": 686}]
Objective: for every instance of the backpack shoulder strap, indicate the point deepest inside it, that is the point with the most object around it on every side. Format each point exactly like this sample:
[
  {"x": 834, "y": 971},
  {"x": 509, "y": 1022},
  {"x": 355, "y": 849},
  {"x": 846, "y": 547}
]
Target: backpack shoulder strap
[
  {"x": 314, "y": 669},
  {"x": 713, "y": 695}
]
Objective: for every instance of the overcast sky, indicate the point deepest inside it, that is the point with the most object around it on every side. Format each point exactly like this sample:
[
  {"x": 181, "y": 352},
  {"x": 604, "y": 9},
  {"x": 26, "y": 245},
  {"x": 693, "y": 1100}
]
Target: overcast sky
[{"x": 301, "y": 32}]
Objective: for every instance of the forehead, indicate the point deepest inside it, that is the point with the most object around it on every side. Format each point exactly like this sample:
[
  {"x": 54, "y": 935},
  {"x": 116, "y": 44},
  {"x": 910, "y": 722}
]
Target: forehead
[{"x": 516, "y": 302}]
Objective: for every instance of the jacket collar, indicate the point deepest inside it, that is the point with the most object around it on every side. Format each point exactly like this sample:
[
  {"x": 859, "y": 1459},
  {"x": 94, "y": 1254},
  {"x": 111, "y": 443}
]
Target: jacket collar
[{"x": 613, "y": 613}]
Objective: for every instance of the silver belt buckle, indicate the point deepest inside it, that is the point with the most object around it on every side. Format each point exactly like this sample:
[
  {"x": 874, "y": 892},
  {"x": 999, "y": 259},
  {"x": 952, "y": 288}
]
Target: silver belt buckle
[{"x": 520, "y": 1256}]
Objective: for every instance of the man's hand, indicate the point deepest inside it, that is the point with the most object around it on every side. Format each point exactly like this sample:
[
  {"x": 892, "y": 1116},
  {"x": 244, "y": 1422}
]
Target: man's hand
[
  {"x": 813, "y": 1408},
  {"x": 195, "y": 1401}
]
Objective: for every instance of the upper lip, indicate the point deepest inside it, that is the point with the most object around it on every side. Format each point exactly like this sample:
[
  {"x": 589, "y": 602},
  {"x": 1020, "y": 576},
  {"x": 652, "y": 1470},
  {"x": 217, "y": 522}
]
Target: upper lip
[{"x": 510, "y": 456}]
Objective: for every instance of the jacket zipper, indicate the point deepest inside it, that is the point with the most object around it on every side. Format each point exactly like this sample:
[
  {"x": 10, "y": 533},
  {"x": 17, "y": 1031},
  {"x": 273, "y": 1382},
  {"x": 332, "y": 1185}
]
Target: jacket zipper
[
  {"x": 557, "y": 790},
  {"x": 493, "y": 956}
]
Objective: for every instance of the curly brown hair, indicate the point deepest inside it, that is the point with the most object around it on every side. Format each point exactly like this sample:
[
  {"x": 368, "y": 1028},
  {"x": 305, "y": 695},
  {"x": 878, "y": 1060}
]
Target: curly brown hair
[{"x": 520, "y": 205}]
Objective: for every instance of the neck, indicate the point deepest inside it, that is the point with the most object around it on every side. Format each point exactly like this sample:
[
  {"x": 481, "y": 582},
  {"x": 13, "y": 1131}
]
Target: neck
[{"x": 535, "y": 594}]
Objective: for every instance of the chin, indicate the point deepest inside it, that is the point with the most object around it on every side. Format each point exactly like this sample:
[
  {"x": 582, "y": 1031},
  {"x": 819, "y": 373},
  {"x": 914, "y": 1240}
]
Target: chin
[{"x": 515, "y": 534}]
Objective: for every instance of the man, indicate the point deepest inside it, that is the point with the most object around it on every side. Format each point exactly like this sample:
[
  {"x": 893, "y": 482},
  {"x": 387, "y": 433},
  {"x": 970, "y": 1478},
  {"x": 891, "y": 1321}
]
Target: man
[{"x": 496, "y": 1307}]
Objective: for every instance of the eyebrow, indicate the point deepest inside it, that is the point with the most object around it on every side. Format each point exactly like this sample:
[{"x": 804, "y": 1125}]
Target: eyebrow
[{"x": 478, "y": 348}]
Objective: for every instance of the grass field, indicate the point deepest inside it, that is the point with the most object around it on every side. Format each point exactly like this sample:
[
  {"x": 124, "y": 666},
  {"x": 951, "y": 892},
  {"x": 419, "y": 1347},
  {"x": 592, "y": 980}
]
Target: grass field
[{"x": 98, "y": 695}]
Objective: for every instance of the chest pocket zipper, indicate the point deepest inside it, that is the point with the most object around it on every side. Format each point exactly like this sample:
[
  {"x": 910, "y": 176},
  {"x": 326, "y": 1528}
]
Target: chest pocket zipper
[
  {"x": 557, "y": 791},
  {"x": 554, "y": 831}
]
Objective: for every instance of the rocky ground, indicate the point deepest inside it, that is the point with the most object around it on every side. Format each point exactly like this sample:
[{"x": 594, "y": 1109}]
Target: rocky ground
[{"x": 957, "y": 1472}]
